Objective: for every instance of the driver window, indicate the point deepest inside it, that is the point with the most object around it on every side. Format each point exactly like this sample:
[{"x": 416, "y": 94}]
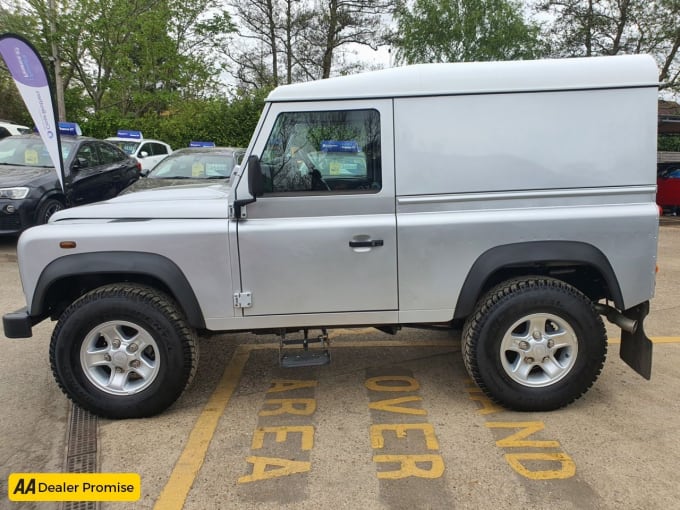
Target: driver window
[{"x": 323, "y": 152}]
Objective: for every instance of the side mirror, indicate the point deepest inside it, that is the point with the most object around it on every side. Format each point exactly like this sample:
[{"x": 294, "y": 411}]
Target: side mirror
[
  {"x": 79, "y": 163},
  {"x": 143, "y": 154},
  {"x": 255, "y": 177}
]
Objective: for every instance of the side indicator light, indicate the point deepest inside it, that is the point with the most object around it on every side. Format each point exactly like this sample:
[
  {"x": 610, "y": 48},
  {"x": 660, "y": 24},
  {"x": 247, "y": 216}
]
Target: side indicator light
[{"x": 67, "y": 245}]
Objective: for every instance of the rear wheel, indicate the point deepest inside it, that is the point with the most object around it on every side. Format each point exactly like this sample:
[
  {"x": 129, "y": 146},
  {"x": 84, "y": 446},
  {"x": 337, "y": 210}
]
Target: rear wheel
[
  {"x": 123, "y": 351},
  {"x": 534, "y": 344}
]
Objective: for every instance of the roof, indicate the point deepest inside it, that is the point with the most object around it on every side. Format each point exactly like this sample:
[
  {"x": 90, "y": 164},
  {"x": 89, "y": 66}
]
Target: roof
[
  {"x": 139, "y": 140},
  {"x": 214, "y": 150},
  {"x": 480, "y": 77}
]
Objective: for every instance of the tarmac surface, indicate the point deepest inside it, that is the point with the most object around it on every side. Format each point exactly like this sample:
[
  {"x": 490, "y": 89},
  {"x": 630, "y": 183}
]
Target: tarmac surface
[{"x": 392, "y": 423}]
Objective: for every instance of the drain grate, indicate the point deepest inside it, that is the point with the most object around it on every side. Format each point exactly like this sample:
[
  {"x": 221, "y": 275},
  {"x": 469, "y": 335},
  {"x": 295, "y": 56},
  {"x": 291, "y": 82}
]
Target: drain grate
[
  {"x": 82, "y": 437},
  {"x": 81, "y": 456}
]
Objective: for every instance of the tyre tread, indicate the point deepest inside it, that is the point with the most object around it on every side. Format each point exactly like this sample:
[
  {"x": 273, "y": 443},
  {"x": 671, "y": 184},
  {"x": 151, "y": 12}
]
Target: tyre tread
[
  {"x": 140, "y": 294},
  {"x": 473, "y": 325}
]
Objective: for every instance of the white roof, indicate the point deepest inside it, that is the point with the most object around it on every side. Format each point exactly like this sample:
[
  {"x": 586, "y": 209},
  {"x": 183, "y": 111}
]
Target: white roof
[
  {"x": 125, "y": 139},
  {"x": 480, "y": 77}
]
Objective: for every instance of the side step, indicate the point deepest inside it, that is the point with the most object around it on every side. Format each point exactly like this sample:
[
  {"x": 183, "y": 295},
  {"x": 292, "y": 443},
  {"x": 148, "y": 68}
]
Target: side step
[{"x": 305, "y": 357}]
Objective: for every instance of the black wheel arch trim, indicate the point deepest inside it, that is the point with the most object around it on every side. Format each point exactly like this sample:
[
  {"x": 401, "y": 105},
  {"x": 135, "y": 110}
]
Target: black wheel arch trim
[
  {"x": 533, "y": 252},
  {"x": 120, "y": 262}
]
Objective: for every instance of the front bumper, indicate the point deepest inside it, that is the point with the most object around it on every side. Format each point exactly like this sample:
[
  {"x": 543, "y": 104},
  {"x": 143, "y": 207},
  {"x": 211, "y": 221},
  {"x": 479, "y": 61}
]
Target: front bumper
[
  {"x": 18, "y": 324},
  {"x": 22, "y": 217}
]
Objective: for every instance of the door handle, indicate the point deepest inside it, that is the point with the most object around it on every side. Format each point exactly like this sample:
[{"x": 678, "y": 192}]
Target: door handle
[{"x": 366, "y": 244}]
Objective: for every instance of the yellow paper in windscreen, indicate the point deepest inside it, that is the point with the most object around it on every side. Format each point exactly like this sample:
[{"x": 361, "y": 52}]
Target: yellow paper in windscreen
[
  {"x": 31, "y": 157},
  {"x": 197, "y": 170}
]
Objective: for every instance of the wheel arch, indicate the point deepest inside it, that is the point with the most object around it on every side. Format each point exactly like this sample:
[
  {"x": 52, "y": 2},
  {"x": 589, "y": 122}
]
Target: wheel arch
[
  {"x": 65, "y": 279},
  {"x": 581, "y": 264}
]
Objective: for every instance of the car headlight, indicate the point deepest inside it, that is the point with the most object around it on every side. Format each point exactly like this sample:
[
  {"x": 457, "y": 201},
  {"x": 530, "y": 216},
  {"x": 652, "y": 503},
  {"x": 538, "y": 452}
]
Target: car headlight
[{"x": 14, "y": 193}]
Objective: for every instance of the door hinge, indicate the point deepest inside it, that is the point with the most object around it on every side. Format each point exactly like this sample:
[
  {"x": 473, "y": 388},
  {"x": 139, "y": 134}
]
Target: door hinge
[
  {"x": 243, "y": 300},
  {"x": 237, "y": 211}
]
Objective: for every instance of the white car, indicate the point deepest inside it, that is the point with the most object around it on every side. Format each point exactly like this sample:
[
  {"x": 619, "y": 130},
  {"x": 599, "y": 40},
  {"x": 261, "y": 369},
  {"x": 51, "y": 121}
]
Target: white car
[
  {"x": 147, "y": 151},
  {"x": 9, "y": 128}
]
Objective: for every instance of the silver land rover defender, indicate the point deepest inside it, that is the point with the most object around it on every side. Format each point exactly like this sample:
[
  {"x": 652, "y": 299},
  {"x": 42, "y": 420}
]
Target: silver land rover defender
[{"x": 514, "y": 199}]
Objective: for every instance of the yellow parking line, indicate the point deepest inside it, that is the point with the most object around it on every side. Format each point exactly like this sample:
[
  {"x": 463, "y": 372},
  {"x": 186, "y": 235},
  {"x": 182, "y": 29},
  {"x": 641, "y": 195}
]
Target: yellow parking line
[
  {"x": 186, "y": 469},
  {"x": 184, "y": 473},
  {"x": 654, "y": 339},
  {"x": 181, "y": 479},
  {"x": 666, "y": 339}
]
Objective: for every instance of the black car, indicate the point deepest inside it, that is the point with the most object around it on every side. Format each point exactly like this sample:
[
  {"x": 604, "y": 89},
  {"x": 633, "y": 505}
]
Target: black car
[
  {"x": 193, "y": 165},
  {"x": 29, "y": 187}
]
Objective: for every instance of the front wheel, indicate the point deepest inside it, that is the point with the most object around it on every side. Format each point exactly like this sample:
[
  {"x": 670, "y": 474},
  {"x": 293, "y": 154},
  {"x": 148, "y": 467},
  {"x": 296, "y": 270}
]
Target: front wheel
[
  {"x": 123, "y": 351},
  {"x": 47, "y": 209},
  {"x": 534, "y": 344}
]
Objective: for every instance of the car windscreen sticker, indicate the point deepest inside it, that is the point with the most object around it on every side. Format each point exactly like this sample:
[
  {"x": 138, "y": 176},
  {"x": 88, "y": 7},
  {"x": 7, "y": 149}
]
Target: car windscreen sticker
[
  {"x": 31, "y": 157},
  {"x": 197, "y": 170}
]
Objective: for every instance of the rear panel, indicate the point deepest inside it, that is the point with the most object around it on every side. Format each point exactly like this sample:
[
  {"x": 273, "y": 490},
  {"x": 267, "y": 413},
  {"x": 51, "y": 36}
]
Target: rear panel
[{"x": 479, "y": 171}]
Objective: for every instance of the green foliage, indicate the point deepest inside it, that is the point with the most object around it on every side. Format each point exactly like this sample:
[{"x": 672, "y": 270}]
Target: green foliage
[
  {"x": 669, "y": 143},
  {"x": 227, "y": 122},
  {"x": 465, "y": 31}
]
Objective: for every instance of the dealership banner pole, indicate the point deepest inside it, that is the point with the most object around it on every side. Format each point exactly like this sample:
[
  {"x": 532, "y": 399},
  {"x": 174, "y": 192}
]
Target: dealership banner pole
[{"x": 30, "y": 76}]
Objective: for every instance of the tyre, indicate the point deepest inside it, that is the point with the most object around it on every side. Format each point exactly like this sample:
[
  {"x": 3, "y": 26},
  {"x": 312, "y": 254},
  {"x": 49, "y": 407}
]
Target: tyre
[
  {"x": 47, "y": 209},
  {"x": 534, "y": 344},
  {"x": 123, "y": 351}
]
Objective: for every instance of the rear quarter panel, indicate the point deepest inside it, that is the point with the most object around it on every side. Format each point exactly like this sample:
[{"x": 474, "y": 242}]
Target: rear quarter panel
[{"x": 475, "y": 172}]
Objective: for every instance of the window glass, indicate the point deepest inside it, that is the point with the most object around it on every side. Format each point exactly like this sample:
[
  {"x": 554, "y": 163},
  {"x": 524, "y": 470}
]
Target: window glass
[
  {"x": 129, "y": 147},
  {"x": 330, "y": 151},
  {"x": 87, "y": 154},
  {"x": 193, "y": 166},
  {"x": 31, "y": 151},
  {"x": 158, "y": 149},
  {"x": 145, "y": 148},
  {"x": 109, "y": 154}
]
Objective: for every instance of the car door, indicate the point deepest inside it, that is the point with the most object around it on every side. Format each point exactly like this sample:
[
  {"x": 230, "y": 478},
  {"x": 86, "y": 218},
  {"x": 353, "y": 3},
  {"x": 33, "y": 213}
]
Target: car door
[
  {"x": 87, "y": 178},
  {"x": 159, "y": 152},
  {"x": 117, "y": 167},
  {"x": 318, "y": 242}
]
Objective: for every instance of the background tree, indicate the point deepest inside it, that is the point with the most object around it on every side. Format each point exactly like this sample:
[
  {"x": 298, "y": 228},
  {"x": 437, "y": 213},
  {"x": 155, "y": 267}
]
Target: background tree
[
  {"x": 135, "y": 56},
  {"x": 464, "y": 31},
  {"x": 260, "y": 24},
  {"x": 612, "y": 27},
  {"x": 332, "y": 26},
  {"x": 284, "y": 41}
]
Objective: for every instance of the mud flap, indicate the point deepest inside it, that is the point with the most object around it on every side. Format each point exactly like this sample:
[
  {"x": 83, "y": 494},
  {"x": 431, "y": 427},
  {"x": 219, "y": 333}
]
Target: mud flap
[{"x": 636, "y": 348}]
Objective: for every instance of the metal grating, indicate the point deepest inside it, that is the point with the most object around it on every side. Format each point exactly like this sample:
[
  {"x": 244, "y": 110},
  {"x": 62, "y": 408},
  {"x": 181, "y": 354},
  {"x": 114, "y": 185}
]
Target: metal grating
[
  {"x": 81, "y": 456},
  {"x": 82, "y": 437}
]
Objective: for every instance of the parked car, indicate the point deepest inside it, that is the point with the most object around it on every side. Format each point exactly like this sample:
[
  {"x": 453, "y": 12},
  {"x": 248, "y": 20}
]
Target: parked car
[
  {"x": 668, "y": 187},
  {"x": 191, "y": 166},
  {"x": 30, "y": 191},
  {"x": 9, "y": 128},
  {"x": 148, "y": 152}
]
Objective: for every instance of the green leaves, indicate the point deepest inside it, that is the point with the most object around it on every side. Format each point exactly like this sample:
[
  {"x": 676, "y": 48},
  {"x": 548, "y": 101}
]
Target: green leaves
[{"x": 465, "y": 31}]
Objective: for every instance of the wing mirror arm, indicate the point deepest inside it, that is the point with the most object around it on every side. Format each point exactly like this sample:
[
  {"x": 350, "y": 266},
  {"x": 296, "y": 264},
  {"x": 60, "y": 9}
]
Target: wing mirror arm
[{"x": 255, "y": 185}]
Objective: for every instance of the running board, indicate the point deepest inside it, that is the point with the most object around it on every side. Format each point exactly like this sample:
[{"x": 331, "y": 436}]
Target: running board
[{"x": 290, "y": 357}]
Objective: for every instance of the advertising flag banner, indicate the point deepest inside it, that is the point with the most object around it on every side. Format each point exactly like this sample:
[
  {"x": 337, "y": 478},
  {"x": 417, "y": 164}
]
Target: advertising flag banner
[{"x": 30, "y": 76}]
